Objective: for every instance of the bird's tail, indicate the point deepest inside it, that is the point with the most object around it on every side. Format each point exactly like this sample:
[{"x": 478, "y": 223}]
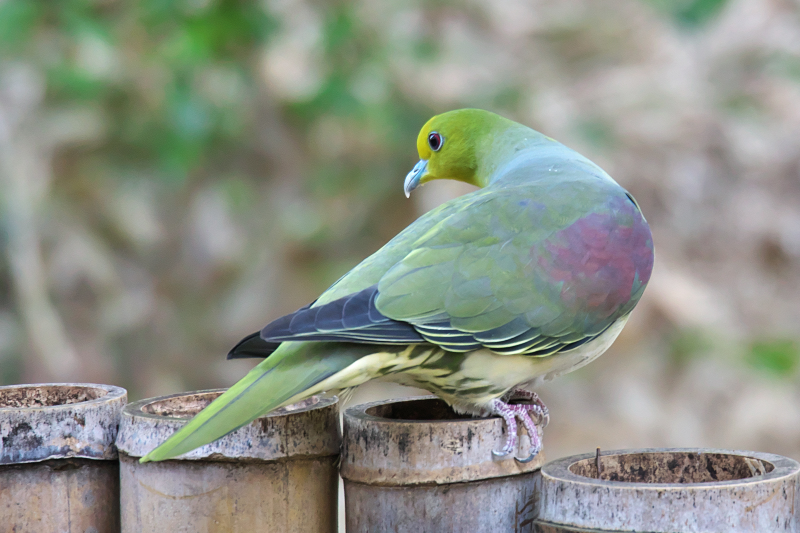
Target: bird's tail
[{"x": 287, "y": 376}]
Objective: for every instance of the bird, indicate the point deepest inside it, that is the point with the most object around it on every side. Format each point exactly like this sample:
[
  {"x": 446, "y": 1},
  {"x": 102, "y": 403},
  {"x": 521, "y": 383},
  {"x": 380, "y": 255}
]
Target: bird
[{"x": 479, "y": 301}]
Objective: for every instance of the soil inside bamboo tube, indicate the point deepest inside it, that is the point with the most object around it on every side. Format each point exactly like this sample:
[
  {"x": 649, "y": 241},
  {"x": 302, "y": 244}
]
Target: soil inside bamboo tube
[
  {"x": 425, "y": 410},
  {"x": 671, "y": 467},
  {"x": 47, "y": 396},
  {"x": 188, "y": 405}
]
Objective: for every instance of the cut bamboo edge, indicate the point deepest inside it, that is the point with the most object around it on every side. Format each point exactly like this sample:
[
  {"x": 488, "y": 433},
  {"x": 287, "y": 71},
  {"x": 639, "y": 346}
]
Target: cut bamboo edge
[
  {"x": 277, "y": 473},
  {"x": 415, "y": 465},
  {"x": 308, "y": 428},
  {"x": 420, "y": 440},
  {"x": 58, "y": 463},
  {"x": 680, "y": 490}
]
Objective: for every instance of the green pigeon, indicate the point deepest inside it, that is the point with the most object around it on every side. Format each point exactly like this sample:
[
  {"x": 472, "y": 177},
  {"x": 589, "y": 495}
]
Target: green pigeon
[{"x": 478, "y": 301}]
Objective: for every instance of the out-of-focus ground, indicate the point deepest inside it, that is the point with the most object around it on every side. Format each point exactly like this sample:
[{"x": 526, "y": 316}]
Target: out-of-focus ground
[{"x": 175, "y": 174}]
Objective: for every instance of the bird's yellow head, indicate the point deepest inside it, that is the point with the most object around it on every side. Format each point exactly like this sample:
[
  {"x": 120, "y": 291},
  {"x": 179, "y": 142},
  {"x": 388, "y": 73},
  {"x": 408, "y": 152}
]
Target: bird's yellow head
[{"x": 455, "y": 145}]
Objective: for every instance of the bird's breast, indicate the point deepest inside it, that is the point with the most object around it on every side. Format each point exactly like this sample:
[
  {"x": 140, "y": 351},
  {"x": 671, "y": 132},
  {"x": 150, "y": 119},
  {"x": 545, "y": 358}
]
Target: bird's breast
[{"x": 602, "y": 260}]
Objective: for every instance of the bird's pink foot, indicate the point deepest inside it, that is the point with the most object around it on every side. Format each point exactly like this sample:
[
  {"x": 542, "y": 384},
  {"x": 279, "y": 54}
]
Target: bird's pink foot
[
  {"x": 541, "y": 411},
  {"x": 510, "y": 413}
]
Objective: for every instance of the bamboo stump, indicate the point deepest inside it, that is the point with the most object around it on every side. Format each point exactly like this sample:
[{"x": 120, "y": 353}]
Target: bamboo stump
[
  {"x": 669, "y": 490},
  {"x": 415, "y": 465},
  {"x": 58, "y": 464},
  {"x": 276, "y": 474}
]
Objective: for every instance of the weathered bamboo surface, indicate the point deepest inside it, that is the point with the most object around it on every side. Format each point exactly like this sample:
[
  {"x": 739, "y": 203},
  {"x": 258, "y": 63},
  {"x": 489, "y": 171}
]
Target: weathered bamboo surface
[
  {"x": 414, "y": 465},
  {"x": 278, "y": 473},
  {"x": 205, "y": 496},
  {"x": 669, "y": 490},
  {"x": 58, "y": 463},
  {"x": 60, "y": 495}
]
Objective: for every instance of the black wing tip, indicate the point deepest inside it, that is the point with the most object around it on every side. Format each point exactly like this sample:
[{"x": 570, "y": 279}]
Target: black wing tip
[
  {"x": 352, "y": 318},
  {"x": 252, "y": 346}
]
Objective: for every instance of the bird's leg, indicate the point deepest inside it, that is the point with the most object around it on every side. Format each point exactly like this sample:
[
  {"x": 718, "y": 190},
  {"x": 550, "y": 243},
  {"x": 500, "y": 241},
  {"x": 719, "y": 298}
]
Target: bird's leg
[
  {"x": 538, "y": 406},
  {"x": 509, "y": 413}
]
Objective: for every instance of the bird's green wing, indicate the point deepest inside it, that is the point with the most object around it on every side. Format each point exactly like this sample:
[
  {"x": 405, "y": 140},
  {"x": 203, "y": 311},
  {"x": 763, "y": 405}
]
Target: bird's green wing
[
  {"x": 529, "y": 269},
  {"x": 532, "y": 269}
]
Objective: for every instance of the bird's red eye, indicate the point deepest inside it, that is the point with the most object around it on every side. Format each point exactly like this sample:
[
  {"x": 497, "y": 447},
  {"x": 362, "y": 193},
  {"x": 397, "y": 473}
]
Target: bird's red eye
[{"x": 435, "y": 141}]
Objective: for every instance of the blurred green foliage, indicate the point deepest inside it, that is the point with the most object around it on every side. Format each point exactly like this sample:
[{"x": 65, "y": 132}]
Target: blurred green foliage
[
  {"x": 159, "y": 115},
  {"x": 178, "y": 81},
  {"x": 691, "y": 13},
  {"x": 778, "y": 357}
]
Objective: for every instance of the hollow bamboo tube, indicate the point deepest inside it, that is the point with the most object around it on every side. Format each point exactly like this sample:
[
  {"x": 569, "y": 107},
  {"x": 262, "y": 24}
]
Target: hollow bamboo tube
[
  {"x": 276, "y": 474},
  {"x": 669, "y": 490},
  {"x": 58, "y": 464},
  {"x": 415, "y": 465}
]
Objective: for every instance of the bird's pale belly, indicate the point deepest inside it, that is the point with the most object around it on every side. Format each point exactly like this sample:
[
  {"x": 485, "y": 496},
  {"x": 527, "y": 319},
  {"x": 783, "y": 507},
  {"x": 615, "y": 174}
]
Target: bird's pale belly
[{"x": 469, "y": 382}]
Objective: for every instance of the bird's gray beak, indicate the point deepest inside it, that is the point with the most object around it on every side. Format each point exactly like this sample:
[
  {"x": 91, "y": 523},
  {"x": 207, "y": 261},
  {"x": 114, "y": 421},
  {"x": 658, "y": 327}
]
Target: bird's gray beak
[{"x": 413, "y": 177}]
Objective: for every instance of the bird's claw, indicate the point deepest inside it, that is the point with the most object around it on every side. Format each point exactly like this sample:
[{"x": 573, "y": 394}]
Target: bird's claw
[
  {"x": 503, "y": 453},
  {"x": 506, "y": 450},
  {"x": 528, "y": 459},
  {"x": 510, "y": 413}
]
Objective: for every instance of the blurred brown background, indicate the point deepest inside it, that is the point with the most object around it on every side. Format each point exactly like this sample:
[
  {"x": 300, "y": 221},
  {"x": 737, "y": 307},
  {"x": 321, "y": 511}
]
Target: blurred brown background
[{"x": 174, "y": 174}]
